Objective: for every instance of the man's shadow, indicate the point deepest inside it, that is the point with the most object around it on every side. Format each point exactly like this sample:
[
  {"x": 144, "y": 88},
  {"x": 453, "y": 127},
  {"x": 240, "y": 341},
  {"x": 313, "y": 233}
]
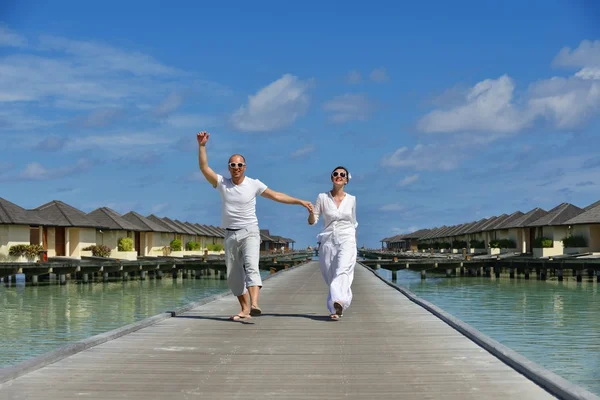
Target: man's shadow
[{"x": 321, "y": 318}]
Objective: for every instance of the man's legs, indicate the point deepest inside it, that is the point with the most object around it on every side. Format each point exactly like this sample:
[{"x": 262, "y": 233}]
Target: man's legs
[
  {"x": 235, "y": 272},
  {"x": 250, "y": 247}
]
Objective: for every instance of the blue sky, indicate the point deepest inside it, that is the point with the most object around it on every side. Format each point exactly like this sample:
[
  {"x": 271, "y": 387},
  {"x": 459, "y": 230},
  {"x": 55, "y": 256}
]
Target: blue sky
[{"x": 443, "y": 112}]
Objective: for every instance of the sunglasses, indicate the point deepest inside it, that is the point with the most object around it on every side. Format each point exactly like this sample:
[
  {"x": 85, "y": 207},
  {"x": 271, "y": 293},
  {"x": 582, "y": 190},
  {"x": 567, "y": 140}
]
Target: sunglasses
[
  {"x": 234, "y": 165},
  {"x": 342, "y": 174}
]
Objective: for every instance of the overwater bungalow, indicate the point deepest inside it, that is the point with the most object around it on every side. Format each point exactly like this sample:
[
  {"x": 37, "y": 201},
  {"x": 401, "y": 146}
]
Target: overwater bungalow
[
  {"x": 19, "y": 226},
  {"x": 517, "y": 230},
  {"x": 583, "y": 231},
  {"x": 475, "y": 239},
  {"x": 156, "y": 237},
  {"x": 71, "y": 231},
  {"x": 116, "y": 232},
  {"x": 550, "y": 230}
]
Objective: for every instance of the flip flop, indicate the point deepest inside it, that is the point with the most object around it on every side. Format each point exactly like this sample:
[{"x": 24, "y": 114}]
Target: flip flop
[
  {"x": 255, "y": 310},
  {"x": 339, "y": 309},
  {"x": 334, "y": 317},
  {"x": 239, "y": 317}
]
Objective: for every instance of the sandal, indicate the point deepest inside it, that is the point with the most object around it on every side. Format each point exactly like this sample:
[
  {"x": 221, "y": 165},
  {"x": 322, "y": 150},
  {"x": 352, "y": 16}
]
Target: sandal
[
  {"x": 339, "y": 309},
  {"x": 334, "y": 317},
  {"x": 255, "y": 310},
  {"x": 239, "y": 317}
]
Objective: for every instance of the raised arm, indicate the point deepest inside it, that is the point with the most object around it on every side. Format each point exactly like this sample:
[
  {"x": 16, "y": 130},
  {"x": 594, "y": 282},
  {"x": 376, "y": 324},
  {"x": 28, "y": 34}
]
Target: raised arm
[
  {"x": 208, "y": 173},
  {"x": 285, "y": 199}
]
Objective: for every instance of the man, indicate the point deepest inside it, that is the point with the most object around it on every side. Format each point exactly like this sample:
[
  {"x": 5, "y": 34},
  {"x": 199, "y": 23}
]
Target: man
[{"x": 238, "y": 217}]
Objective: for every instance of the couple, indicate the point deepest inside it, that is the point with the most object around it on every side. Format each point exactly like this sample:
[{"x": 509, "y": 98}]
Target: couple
[{"x": 337, "y": 240}]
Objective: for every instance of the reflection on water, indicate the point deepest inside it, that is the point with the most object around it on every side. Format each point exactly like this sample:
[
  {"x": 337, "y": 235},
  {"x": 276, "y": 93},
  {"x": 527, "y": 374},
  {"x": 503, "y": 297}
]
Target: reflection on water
[
  {"x": 38, "y": 319},
  {"x": 555, "y": 324}
]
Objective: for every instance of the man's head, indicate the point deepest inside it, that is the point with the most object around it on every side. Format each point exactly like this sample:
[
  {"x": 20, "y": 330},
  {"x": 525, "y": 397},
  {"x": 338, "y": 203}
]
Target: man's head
[{"x": 237, "y": 165}]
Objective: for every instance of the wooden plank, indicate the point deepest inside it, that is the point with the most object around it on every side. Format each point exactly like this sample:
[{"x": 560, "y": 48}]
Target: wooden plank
[{"x": 384, "y": 347}]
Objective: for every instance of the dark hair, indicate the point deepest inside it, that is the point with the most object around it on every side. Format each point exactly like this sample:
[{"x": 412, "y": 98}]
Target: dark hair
[{"x": 345, "y": 169}]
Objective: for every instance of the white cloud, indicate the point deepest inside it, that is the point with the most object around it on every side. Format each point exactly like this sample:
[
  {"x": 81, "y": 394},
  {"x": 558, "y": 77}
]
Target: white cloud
[
  {"x": 587, "y": 54},
  {"x": 36, "y": 171},
  {"x": 349, "y": 107},
  {"x": 193, "y": 121},
  {"x": 409, "y": 180},
  {"x": 379, "y": 75},
  {"x": 426, "y": 157},
  {"x": 9, "y": 38},
  {"x": 158, "y": 208},
  {"x": 488, "y": 106},
  {"x": 392, "y": 207},
  {"x": 275, "y": 106},
  {"x": 126, "y": 141},
  {"x": 170, "y": 104},
  {"x": 303, "y": 151},
  {"x": 353, "y": 77},
  {"x": 589, "y": 73}
]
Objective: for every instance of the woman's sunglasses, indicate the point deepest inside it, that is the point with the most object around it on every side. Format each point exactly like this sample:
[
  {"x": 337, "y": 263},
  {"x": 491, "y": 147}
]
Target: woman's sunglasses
[
  {"x": 342, "y": 174},
  {"x": 238, "y": 165}
]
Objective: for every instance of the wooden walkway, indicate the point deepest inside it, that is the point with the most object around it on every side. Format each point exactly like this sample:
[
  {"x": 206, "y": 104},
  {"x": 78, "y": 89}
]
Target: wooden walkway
[{"x": 384, "y": 347}]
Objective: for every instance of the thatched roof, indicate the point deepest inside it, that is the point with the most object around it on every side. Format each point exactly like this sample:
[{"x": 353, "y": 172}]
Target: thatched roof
[
  {"x": 147, "y": 224},
  {"x": 591, "y": 216},
  {"x": 111, "y": 219},
  {"x": 62, "y": 214},
  {"x": 12, "y": 214},
  {"x": 558, "y": 215}
]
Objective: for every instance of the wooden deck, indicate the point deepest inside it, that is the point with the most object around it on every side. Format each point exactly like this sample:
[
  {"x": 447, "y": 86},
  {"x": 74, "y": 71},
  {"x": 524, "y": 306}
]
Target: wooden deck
[{"x": 384, "y": 347}]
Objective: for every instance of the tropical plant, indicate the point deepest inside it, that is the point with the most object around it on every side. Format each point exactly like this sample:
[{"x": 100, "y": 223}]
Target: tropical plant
[
  {"x": 99, "y": 250},
  {"x": 574, "y": 241},
  {"x": 214, "y": 247},
  {"x": 175, "y": 245},
  {"x": 27, "y": 250},
  {"x": 459, "y": 244},
  {"x": 125, "y": 244},
  {"x": 192, "y": 246},
  {"x": 543, "y": 242},
  {"x": 477, "y": 244}
]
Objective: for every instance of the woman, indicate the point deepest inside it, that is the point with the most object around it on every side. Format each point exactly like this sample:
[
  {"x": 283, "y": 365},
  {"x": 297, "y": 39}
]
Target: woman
[{"x": 337, "y": 241}]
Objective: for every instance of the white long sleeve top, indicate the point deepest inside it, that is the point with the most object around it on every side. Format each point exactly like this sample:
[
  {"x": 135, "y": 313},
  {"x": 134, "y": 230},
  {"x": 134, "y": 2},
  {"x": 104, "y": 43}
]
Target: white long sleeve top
[{"x": 339, "y": 224}]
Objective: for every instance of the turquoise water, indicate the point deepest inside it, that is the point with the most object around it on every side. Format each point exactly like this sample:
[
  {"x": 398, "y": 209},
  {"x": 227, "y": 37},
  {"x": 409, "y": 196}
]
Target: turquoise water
[
  {"x": 554, "y": 324},
  {"x": 39, "y": 319}
]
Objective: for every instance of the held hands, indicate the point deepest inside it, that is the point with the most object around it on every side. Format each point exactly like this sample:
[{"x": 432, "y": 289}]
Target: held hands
[
  {"x": 202, "y": 138},
  {"x": 308, "y": 205}
]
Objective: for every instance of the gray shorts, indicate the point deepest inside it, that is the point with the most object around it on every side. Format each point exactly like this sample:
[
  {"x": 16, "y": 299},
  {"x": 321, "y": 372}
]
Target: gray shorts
[{"x": 242, "y": 255}]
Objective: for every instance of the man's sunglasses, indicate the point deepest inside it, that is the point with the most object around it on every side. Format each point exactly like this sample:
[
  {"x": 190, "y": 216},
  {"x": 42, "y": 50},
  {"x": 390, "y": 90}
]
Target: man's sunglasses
[
  {"x": 233, "y": 165},
  {"x": 342, "y": 174}
]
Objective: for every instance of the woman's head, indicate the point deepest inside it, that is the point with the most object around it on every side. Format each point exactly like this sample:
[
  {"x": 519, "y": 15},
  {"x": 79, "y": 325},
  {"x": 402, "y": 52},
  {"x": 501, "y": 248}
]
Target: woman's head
[{"x": 340, "y": 175}]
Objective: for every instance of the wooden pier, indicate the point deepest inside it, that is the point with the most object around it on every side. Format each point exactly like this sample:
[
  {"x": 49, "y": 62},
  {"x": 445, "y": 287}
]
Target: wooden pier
[{"x": 385, "y": 346}]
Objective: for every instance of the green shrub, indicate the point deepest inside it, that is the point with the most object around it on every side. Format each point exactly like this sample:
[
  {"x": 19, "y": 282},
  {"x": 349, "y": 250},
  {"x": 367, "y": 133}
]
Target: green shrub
[
  {"x": 445, "y": 245},
  {"x": 214, "y": 247},
  {"x": 477, "y": 244},
  {"x": 435, "y": 245},
  {"x": 422, "y": 246},
  {"x": 543, "y": 242},
  {"x": 99, "y": 250},
  {"x": 27, "y": 250},
  {"x": 125, "y": 244},
  {"x": 459, "y": 244},
  {"x": 574, "y": 241},
  {"x": 507, "y": 244},
  {"x": 495, "y": 244},
  {"x": 175, "y": 245},
  {"x": 190, "y": 246}
]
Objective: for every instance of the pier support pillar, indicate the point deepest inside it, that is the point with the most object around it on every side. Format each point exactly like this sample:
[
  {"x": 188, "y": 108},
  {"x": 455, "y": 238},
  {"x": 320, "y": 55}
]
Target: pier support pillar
[
  {"x": 395, "y": 275},
  {"x": 85, "y": 278},
  {"x": 543, "y": 274},
  {"x": 159, "y": 274},
  {"x": 511, "y": 273},
  {"x": 423, "y": 274},
  {"x": 559, "y": 274},
  {"x": 142, "y": 275},
  {"x": 105, "y": 277},
  {"x": 497, "y": 272},
  {"x": 526, "y": 273},
  {"x": 184, "y": 274},
  {"x": 448, "y": 273},
  {"x": 579, "y": 276},
  {"x": 125, "y": 276},
  {"x": 488, "y": 272},
  {"x": 174, "y": 274},
  {"x": 34, "y": 280},
  {"x": 62, "y": 279},
  {"x": 462, "y": 271}
]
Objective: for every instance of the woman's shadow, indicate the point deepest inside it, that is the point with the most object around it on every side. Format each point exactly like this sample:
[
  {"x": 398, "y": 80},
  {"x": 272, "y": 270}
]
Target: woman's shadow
[{"x": 314, "y": 317}]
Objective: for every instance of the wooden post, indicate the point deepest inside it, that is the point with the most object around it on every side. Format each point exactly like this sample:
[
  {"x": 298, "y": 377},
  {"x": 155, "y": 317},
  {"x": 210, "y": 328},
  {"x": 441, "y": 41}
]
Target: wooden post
[
  {"x": 63, "y": 279},
  {"x": 105, "y": 276},
  {"x": 34, "y": 280},
  {"x": 159, "y": 274},
  {"x": 579, "y": 276},
  {"x": 559, "y": 274},
  {"x": 125, "y": 275},
  {"x": 543, "y": 274},
  {"x": 174, "y": 273},
  {"x": 526, "y": 273},
  {"x": 448, "y": 273},
  {"x": 598, "y": 275},
  {"x": 395, "y": 275},
  {"x": 511, "y": 273},
  {"x": 423, "y": 274}
]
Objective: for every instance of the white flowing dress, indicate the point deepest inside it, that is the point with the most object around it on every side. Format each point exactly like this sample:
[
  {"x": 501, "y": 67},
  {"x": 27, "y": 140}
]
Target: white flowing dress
[{"x": 337, "y": 246}]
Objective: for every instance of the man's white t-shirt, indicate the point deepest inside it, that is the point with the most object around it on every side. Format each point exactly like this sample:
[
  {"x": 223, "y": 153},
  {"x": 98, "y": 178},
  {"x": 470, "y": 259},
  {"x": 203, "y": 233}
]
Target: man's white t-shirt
[{"x": 238, "y": 206}]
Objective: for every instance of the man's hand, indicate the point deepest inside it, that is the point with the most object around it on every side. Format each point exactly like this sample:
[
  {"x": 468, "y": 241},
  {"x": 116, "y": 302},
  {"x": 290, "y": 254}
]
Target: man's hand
[
  {"x": 308, "y": 206},
  {"x": 202, "y": 138}
]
